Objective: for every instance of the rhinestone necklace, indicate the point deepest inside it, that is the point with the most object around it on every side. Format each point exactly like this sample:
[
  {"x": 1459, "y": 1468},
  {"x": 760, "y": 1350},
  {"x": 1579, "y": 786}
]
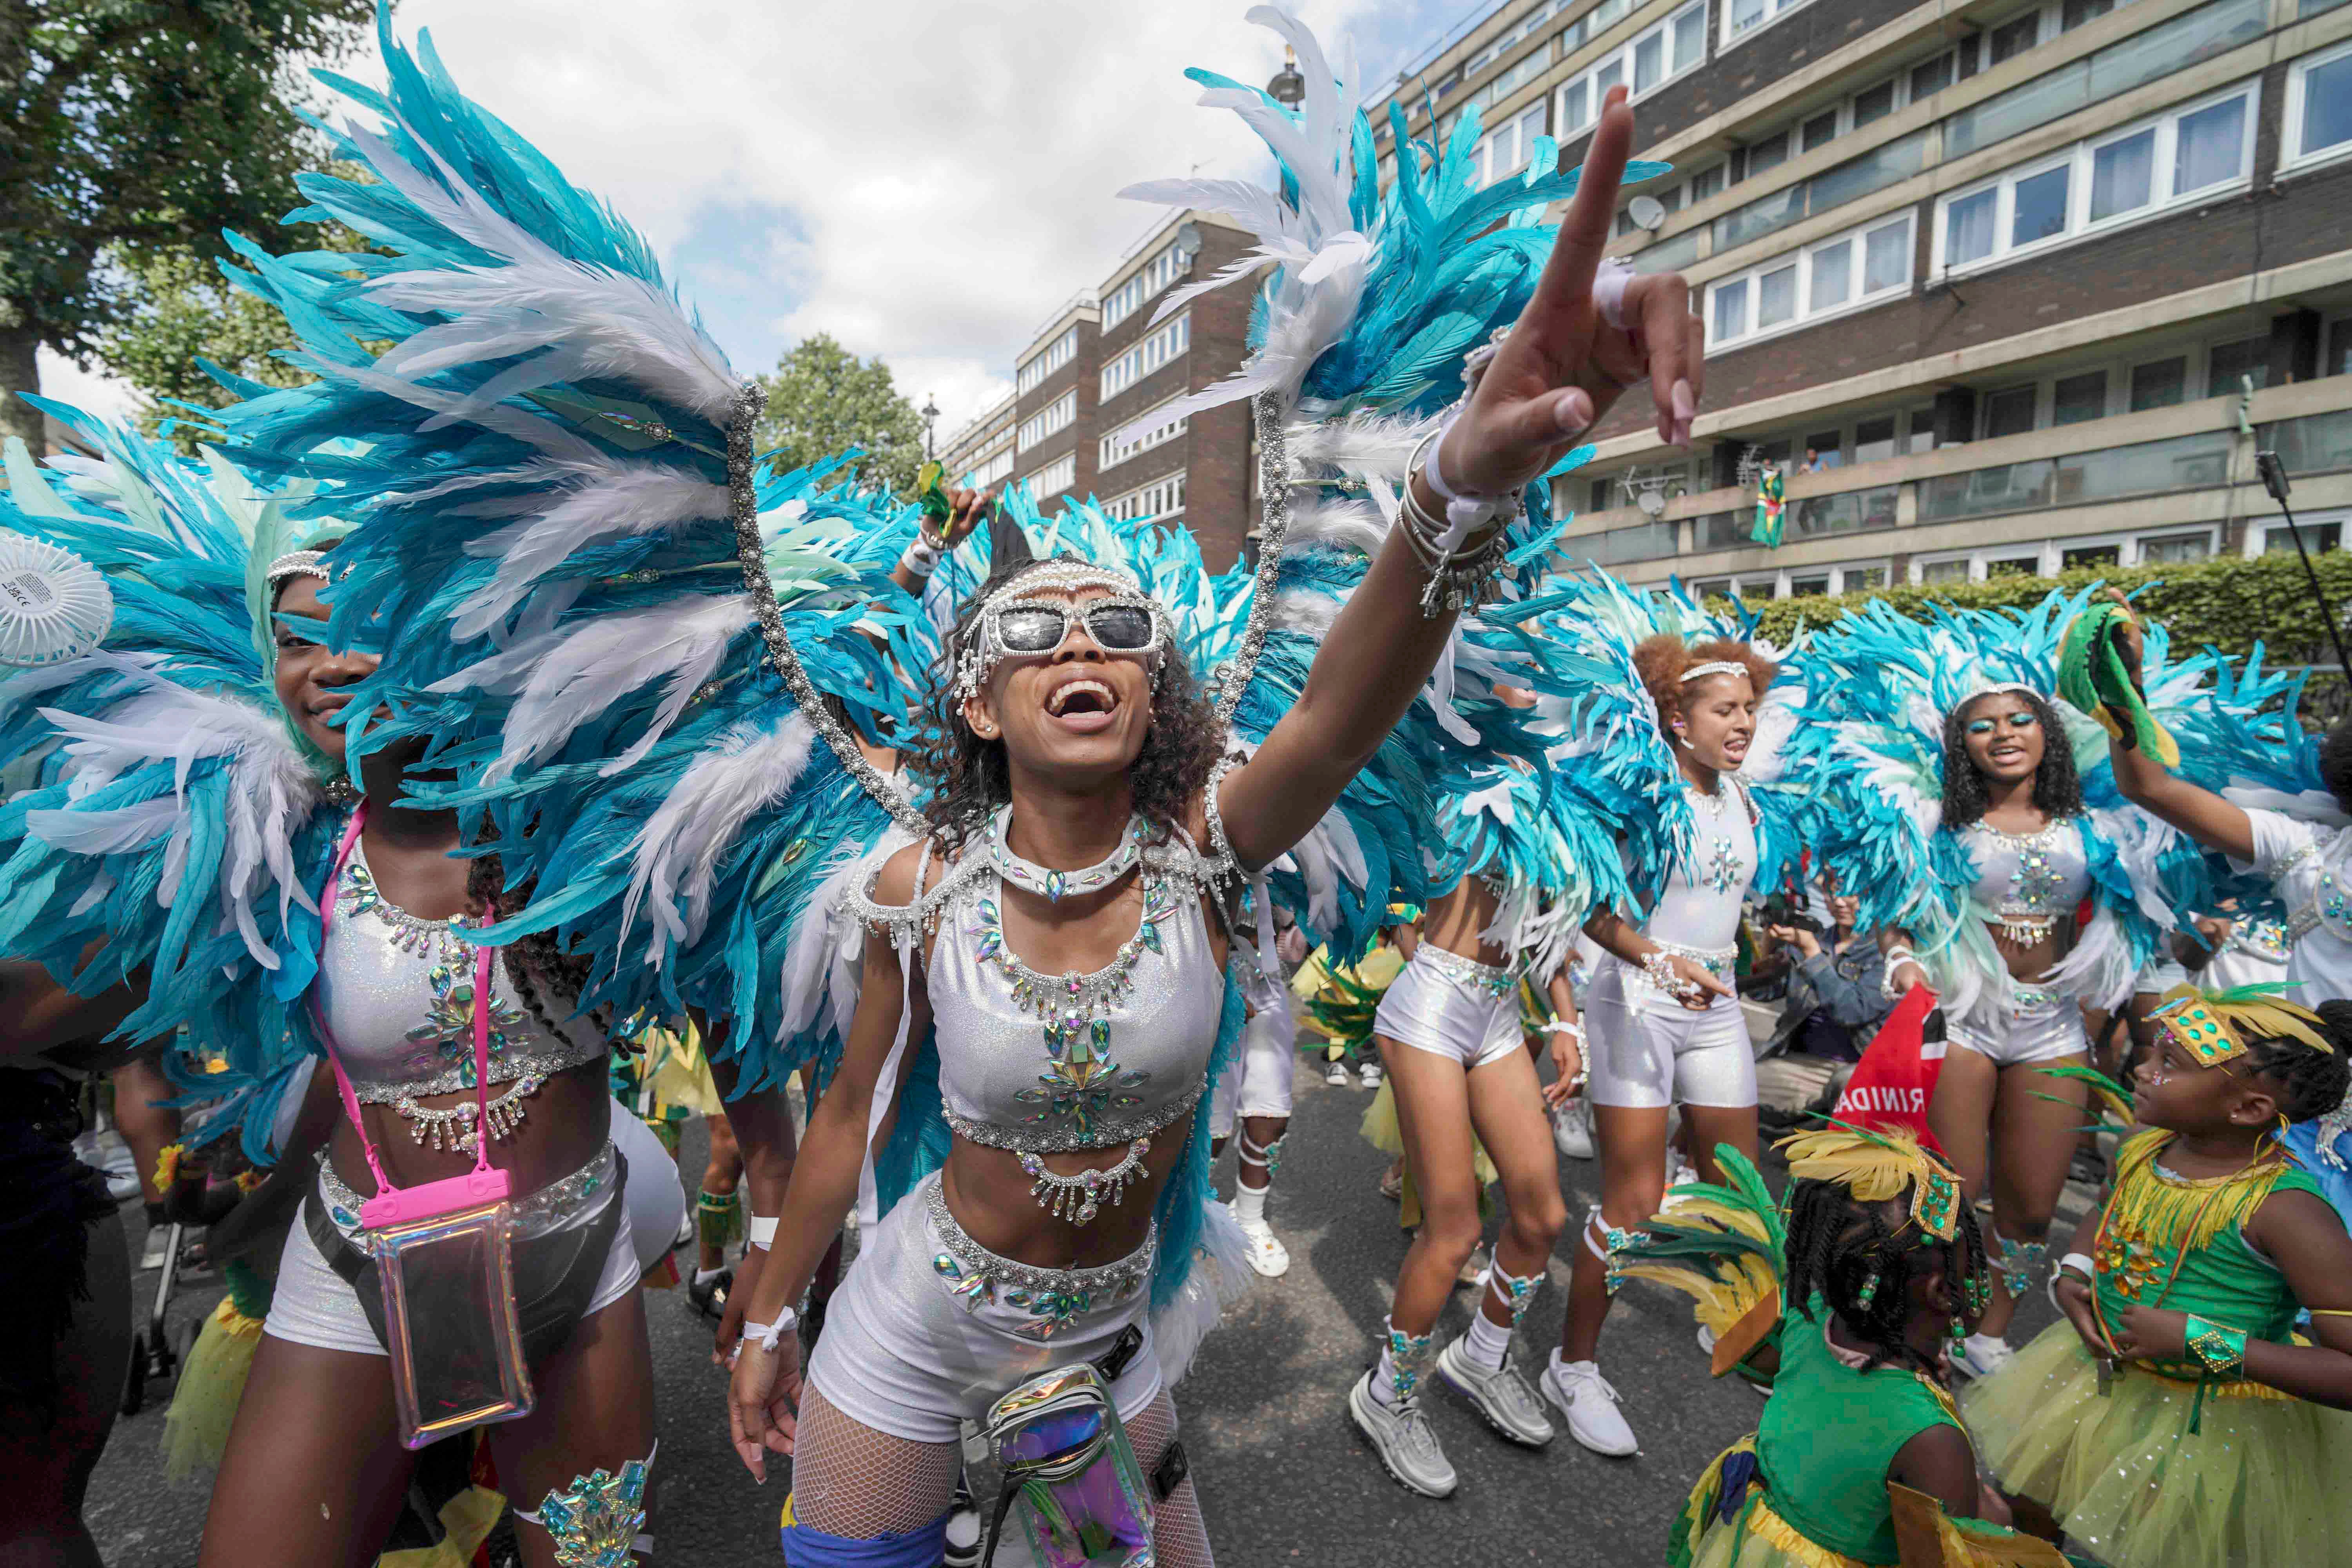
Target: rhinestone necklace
[
  {"x": 1054, "y": 885},
  {"x": 1723, "y": 867}
]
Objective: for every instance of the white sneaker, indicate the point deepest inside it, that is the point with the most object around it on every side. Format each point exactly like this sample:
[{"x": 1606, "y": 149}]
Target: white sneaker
[
  {"x": 1981, "y": 1355},
  {"x": 1267, "y": 1255},
  {"x": 158, "y": 1249},
  {"x": 1572, "y": 1129},
  {"x": 1585, "y": 1396},
  {"x": 1371, "y": 1074},
  {"x": 1336, "y": 1075},
  {"x": 1474, "y": 1268},
  {"x": 1679, "y": 1172}
]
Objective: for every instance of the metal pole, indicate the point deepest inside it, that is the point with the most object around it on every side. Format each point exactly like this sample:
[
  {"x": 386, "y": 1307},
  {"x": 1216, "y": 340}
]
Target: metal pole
[{"x": 2275, "y": 480}]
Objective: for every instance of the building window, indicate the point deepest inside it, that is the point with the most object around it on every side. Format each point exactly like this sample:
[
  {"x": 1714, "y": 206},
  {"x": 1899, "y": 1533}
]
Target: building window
[
  {"x": 1119, "y": 445},
  {"x": 1923, "y": 431},
  {"x": 1054, "y": 476},
  {"x": 2080, "y": 397},
  {"x": 1874, "y": 440},
  {"x": 991, "y": 469},
  {"x": 1061, "y": 352},
  {"x": 2318, "y": 109},
  {"x": 2159, "y": 384},
  {"x": 1933, "y": 77},
  {"x": 2090, "y": 555},
  {"x": 1055, "y": 416},
  {"x": 2014, "y": 566},
  {"x": 1162, "y": 269},
  {"x": 1766, "y": 153},
  {"x": 1705, "y": 184},
  {"x": 2183, "y": 155},
  {"x": 1810, "y": 586},
  {"x": 2172, "y": 548},
  {"x": 1161, "y": 497},
  {"x": 1504, "y": 151},
  {"x": 1653, "y": 57},
  {"x": 1956, "y": 571},
  {"x": 2009, "y": 412},
  {"x": 2227, "y": 364},
  {"x": 1166, "y": 344},
  {"x": 1742, "y": 17},
  {"x": 1861, "y": 579},
  {"x": 1874, "y": 102},
  {"x": 2339, "y": 348},
  {"x": 1859, "y": 268},
  {"x": 2013, "y": 37},
  {"x": 2278, "y": 539}
]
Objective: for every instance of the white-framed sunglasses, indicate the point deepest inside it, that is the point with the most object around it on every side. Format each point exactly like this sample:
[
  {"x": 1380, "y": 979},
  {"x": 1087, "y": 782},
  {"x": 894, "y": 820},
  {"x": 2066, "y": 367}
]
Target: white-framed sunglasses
[{"x": 1128, "y": 624}]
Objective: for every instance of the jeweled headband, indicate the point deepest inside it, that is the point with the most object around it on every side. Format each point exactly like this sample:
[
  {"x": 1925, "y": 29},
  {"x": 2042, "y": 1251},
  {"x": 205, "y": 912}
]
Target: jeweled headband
[
  {"x": 1877, "y": 1167},
  {"x": 2214, "y": 1026},
  {"x": 297, "y": 563},
  {"x": 1059, "y": 574},
  {"x": 1719, "y": 666}
]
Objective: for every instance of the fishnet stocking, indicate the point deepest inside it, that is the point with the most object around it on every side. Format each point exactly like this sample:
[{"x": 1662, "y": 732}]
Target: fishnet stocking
[
  {"x": 1180, "y": 1538},
  {"x": 855, "y": 1482}
]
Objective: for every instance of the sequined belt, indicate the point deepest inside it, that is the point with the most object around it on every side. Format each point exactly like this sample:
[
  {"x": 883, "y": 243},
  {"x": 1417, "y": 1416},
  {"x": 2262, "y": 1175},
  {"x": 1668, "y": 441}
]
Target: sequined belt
[
  {"x": 1495, "y": 979},
  {"x": 535, "y": 1213},
  {"x": 1099, "y": 1135},
  {"x": 2181, "y": 1376},
  {"x": 2302, "y": 923},
  {"x": 1719, "y": 962},
  {"x": 1053, "y": 1298},
  {"x": 2023, "y": 999}
]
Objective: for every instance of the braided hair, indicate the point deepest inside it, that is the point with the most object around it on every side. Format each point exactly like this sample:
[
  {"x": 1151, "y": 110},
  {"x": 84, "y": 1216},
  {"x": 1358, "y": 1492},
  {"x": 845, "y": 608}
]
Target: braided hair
[
  {"x": 535, "y": 961},
  {"x": 2336, "y": 763},
  {"x": 2057, "y": 788},
  {"x": 1838, "y": 1244},
  {"x": 2308, "y": 1082}
]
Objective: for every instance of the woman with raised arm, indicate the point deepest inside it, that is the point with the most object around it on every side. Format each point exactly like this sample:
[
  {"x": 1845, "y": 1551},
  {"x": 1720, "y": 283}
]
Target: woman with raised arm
[
  {"x": 1692, "y": 716},
  {"x": 1977, "y": 839}
]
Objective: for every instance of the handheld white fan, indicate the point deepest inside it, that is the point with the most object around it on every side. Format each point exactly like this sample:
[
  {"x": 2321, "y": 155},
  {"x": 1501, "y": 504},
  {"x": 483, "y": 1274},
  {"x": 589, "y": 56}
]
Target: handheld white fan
[{"x": 53, "y": 605}]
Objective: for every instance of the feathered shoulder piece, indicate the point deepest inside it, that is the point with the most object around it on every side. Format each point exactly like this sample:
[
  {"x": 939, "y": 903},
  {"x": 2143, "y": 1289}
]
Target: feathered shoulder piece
[
  {"x": 1362, "y": 336},
  {"x": 172, "y": 821},
  {"x": 644, "y": 658},
  {"x": 1880, "y": 688},
  {"x": 1611, "y": 754}
]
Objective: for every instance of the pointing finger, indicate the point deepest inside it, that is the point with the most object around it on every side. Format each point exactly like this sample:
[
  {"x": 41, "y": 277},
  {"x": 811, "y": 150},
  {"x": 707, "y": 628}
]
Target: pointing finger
[{"x": 1584, "y": 233}]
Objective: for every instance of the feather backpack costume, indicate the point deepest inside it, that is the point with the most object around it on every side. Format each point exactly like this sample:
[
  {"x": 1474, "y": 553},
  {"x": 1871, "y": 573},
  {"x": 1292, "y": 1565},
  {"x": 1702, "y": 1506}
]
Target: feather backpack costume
[
  {"x": 1880, "y": 687},
  {"x": 176, "y": 820}
]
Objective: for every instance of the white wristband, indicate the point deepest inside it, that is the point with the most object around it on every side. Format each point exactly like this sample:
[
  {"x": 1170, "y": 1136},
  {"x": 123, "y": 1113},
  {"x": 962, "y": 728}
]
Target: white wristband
[
  {"x": 2079, "y": 1261},
  {"x": 1564, "y": 1026},
  {"x": 768, "y": 1335},
  {"x": 762, "y": 1230},
  {"x": 922, "y": 557}
]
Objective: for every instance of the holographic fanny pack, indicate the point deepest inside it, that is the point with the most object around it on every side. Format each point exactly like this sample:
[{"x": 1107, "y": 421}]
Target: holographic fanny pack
[{"x": 1069, "y": 1473}]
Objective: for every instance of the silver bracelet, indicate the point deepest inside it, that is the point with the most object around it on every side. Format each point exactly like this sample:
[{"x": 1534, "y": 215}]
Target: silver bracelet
[
  {"x": 1896, "y": 959},
  {"x": 1459, "y": 572},
  {"x": 2078, "y": 1261}
]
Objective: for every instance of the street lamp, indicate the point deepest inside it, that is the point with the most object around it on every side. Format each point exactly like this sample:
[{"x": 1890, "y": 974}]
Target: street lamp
[
  {"x": 1287, "y": 89},
  {"x": 930, "y": 418}
]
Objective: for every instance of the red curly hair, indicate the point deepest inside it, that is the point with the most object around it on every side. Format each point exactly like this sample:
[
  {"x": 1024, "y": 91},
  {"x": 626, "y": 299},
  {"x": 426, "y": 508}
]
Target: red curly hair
[{"x": 1662, "y": 660}]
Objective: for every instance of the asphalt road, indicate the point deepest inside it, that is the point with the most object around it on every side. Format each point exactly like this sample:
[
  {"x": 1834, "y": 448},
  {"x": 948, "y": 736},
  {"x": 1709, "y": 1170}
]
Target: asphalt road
[{"x": 1283, "y": 1475}]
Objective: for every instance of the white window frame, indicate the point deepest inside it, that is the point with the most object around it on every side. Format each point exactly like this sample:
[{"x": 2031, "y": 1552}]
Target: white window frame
[
  {"x": 1622, "y": 57},
  {"x": 1520, "y": 133},
  {"x": 1155, "y": 275},
  {"x": 996, "y": 466},
  {"x": 1860, "y": 299},
  {"x": 1773, "y": 11},
  {"x": 2137, "y": 551},
  {"x": 1056, "y": 354},
  {"x": 2126, "y": 546},
  {"x": 2079, "y": 158},
  {"x": 1973, "y": 569},
  {"x": 1054, "y": 478},
  {"x": 2259, "y": 531},
  {"x": 2292, "y": 156},
  {"x": 1161, "y": 498},
  {"x": 1163, "y": 345},
  {"x": 1052, "y": 419},
  {"x": 1111, "y": 451},
  {"x": 1882, "y": 565}
]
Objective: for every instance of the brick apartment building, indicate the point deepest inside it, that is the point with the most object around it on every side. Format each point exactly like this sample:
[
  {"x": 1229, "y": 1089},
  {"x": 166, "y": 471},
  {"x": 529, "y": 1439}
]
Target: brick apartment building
[
  {"x": 2010, "y": 270},
  {"x": 1099, "y": 364}
]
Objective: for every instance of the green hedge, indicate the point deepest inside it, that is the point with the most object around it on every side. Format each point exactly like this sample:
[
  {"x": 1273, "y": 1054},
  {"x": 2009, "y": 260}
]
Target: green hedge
[{"x": 2229, "y": 603}]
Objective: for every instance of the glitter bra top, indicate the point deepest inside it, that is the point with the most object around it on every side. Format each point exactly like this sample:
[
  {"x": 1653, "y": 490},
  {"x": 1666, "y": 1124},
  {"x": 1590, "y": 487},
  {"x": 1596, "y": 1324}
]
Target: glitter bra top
[
  {"x": 1699, "y": 905},
  {"x": 2029, "y": 881},
  {"x": 397, "y": 994}
]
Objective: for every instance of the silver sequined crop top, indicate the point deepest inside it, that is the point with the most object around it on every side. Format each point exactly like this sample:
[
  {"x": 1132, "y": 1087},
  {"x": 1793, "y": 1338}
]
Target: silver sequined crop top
[
  {"x": 1699, "y": 905},
  {"x": 1044, "y": 1063},
  {"x": 397, "y": 996},
  {"x": 2029, "y": 878}
]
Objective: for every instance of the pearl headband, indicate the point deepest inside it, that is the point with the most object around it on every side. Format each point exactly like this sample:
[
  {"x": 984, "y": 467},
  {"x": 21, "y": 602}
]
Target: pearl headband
[
  {"x": 1720, "y": 667},
  {"x": 297, "y": 563}
]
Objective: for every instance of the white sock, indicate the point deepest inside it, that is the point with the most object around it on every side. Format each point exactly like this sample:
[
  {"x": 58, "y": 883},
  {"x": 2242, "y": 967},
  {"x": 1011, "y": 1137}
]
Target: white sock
[
  {"x": 1486, "y": 1342},
  {"x": 1249, "y": 1203},
  {"x": 705, "y": 1276},
  {"x": 1384, "y": 1379}
]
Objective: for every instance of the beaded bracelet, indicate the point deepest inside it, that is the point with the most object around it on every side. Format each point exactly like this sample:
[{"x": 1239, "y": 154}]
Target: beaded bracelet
[
  {"x": 1659, "y": 965},
  {"x": 2222, "y": 1349}
]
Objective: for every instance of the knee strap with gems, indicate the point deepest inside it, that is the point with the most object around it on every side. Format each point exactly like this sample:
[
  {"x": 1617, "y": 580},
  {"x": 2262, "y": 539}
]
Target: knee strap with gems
[
  {"x": 1517, "y": 1293},
  {"x": 2021, "y": 1262},
  {"x": 599, "y": 1518},
  {"x": 1410, "y": 1354},
  {"x": 1607, "y": 1243},
  {"x": 1268, "y": 1154}
]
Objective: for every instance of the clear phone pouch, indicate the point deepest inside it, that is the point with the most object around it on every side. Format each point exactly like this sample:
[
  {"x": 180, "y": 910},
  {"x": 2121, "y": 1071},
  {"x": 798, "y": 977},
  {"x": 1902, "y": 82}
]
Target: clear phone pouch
[
  {"x": 449, "y": 1321},
  {"x": 1070, "y": 1473}
]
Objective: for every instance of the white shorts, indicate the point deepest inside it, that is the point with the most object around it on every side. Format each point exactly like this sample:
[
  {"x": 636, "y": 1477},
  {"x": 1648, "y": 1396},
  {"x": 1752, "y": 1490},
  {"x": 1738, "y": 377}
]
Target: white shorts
[
  {"x": 657, "y": 1202},
  {"x": 1452, "y": 1006},
  {"x": 929, "y": 1328},
  {"x": 1645, "y": 1050},
  {"x": 1259, "y": 1083},
  {"x": 313, "y": 1306},
  {"x": 2042, "y": 1026}
]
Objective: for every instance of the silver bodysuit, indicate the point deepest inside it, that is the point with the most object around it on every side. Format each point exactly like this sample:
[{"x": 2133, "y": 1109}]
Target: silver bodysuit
[{"x": 2028, "y": 882}]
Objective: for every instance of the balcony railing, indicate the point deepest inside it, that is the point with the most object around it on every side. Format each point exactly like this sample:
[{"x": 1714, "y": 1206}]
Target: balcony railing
[{"x": 2149, "y": 467}]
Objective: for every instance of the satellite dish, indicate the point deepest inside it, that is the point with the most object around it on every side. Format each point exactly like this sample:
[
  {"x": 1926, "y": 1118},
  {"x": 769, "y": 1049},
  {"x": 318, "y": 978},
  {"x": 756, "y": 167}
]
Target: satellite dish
[
  {"x": 1648, "y": 213},
  {"x": 53, "y": 605},
  {"x": 1187, "y": 240},
  {"x": 1652, "y": 503}
]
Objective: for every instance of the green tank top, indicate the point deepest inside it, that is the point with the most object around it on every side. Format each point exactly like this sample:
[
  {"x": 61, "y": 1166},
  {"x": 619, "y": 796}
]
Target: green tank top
[
  {"x": 2164, "y": 1241},
  {"x": 1828, "y": 1433}
]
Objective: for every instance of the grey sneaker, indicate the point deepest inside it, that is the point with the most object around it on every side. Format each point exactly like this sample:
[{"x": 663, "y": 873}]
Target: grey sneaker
[
  {"x": 1502, "y": 1396},
  {"x": 1399, "y": 1434}
]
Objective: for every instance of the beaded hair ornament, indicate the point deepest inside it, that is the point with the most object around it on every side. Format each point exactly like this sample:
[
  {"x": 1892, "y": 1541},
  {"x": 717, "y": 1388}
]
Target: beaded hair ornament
[
  {"x": 1879, "y": 1167},
  {"x": 984, "y": 647},
  {"x": 1994, "y": 688},
  {"x": 296, "y": 564},
  {"x": 1716, "y": 667},
  {"x": 2217, "y": 1026}
]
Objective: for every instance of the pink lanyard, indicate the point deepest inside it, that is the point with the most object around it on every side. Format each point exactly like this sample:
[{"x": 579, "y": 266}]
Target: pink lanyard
[{"x": 482, "y": 960}]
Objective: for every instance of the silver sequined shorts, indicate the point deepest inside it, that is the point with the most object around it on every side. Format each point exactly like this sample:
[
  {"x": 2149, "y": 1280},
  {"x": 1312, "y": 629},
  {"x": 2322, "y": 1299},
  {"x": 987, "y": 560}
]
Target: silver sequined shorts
[
  {"x": 2041, "y": 1027},
  {"x": 1646, "y": 1050},
  {"x": 1452, "y": 1006},
  {"x": 930, "y": 1328}
]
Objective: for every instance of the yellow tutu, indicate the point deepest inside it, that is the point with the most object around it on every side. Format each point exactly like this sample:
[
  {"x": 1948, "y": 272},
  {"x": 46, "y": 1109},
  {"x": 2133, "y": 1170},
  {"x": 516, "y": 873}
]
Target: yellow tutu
[
  {"x": 2261, "y": 1483},
  {"x": 211, "y": 1385}
]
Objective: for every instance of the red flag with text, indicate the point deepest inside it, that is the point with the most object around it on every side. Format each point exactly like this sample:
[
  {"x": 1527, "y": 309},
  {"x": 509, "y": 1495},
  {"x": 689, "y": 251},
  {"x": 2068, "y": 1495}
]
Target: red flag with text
[{"x": 1896, "y": 1076}]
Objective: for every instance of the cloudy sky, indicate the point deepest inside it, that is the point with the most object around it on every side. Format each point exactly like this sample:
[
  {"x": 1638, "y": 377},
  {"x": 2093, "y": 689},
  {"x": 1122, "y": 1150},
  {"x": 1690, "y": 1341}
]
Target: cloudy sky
[{"x": 924, "y": 181}]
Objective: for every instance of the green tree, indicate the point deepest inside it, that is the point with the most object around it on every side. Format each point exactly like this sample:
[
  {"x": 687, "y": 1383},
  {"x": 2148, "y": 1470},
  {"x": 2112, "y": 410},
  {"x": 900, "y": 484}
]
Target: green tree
[
  {"x": 823, "y": 399},
  {"x": 179, "y": 310},
  {"x": 130, "y": 129}
]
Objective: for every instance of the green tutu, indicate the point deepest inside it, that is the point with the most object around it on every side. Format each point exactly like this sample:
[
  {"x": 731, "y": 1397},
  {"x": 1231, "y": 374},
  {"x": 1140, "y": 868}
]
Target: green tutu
[{"x": 2265, "y": 1481}]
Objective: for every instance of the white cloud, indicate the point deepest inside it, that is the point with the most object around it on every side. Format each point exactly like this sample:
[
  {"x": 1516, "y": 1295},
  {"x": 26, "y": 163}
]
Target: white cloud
[
  {"x": 925, "y": 180},
  {"x": 92, "y": 391}
]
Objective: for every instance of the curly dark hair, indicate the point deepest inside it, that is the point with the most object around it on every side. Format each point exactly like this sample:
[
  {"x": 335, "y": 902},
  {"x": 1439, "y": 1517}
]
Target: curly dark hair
[
  {"x": 1837, "y": 1244},
  {"x": 2057, "y": 789},
  {"x": 970, "y": 778},
  {"x": 2309, "y": 1083},
  {"x": 2336, "y": 763}
]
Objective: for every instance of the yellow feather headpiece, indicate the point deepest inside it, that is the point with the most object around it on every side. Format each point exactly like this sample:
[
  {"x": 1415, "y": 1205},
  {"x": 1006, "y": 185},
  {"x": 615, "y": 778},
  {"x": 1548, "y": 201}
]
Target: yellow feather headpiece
[
  {"x": 2217, "y": 1026},
  {"x": 1879, "y": 1167}
]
